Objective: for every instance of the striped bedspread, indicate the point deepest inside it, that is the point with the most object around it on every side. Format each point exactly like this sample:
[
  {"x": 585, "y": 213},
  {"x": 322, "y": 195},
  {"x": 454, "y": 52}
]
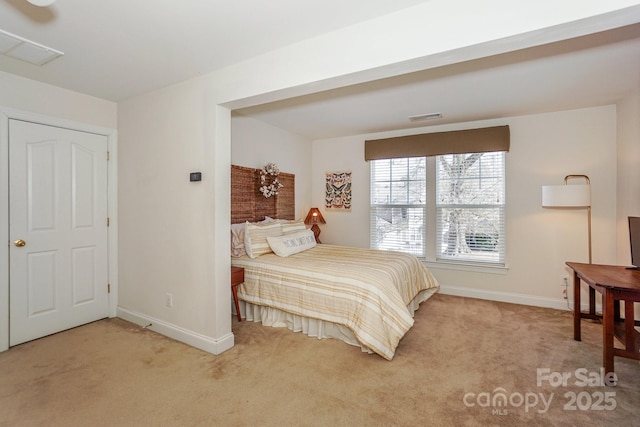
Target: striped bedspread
[{"x": 366, "y": 290}]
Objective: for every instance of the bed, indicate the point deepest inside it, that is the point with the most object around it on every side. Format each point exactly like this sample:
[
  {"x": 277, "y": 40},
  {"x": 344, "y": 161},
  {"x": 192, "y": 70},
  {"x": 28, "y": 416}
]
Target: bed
[{"x": 363, "y": 297}]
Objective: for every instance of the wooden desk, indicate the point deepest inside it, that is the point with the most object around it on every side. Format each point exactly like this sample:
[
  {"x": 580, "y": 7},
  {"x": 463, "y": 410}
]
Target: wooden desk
[
  {"x": 237, "y": 278},
  {"x": 616, "y": 284}
]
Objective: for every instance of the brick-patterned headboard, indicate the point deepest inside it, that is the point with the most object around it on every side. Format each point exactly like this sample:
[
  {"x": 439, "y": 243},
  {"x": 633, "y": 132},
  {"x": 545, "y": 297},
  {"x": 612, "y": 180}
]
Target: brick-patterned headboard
[{"x": 248, "y": 204}]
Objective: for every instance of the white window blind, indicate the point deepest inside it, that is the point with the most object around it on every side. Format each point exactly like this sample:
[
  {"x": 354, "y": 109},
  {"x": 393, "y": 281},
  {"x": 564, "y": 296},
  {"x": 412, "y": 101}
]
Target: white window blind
[
  {"x": 398, "y": 203},
  {"x": 467, "y": 196},
  {"x": 470, "y": 207}
]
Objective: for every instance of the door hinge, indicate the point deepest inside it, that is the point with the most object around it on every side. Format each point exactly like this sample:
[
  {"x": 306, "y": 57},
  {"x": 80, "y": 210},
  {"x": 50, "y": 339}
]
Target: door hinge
[
  {"x": 108, "y": 288},
  {"x": 108, "y": 221},
  {"x": 108, "y": 155}
]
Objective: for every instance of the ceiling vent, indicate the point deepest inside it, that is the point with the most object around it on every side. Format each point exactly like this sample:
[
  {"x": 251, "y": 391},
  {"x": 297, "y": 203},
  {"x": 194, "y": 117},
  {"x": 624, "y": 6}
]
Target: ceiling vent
[
  {"x": 26, "y": 50},
  {"x": 422, "y": 117}
]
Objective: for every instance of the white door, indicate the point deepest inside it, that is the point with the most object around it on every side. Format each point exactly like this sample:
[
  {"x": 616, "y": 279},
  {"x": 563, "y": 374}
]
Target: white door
[{"x": 58, "y": 262}]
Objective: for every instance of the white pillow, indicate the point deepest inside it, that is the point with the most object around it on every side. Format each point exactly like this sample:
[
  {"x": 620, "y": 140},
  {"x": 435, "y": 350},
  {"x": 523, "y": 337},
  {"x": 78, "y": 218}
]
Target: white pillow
[
  {"x": 255, "y": 237},
  {"x": 290, "y": 244},
  {"x": 237, "y": 236}
]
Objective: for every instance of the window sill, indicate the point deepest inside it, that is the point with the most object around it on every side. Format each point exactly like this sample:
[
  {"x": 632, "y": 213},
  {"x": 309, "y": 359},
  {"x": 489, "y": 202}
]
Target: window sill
[{"x": 475, "y": 268}]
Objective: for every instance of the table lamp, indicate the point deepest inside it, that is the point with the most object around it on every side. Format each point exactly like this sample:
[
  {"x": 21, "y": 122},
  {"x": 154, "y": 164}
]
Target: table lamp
[{"x": 314, "y": 217}]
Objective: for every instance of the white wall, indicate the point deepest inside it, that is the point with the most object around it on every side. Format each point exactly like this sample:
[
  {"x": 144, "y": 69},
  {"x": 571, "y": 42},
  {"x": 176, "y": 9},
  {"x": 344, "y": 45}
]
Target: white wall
[
  {"x": 628, "y": 196},
  {"x": 39, "y": 98},
  {"x": 255, "y": 143},
  {"x": 544, "y": 149},
  {"x": 169, "y": 243}
]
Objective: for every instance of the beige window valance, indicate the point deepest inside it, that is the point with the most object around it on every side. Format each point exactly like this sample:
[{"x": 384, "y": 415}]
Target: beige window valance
[{"x": 433, "y": 144}]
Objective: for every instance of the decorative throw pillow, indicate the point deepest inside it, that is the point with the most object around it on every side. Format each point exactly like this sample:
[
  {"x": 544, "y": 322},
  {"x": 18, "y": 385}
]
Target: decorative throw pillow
[
  {"x": 255, "y": 237},
  {"x": 290, "y": 244},
  {"x": 237, "y": 236},
  {"x": 237, "y": 240},
  {"x": 291, "y": 227}
]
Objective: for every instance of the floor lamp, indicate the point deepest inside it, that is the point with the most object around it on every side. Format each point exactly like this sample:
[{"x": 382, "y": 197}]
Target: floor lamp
[{"x": 570, "y": 196}]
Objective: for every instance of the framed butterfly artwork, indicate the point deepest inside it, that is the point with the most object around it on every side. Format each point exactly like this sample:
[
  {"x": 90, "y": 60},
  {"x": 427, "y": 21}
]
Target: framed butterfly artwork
[{"x": 338, "y": 191}]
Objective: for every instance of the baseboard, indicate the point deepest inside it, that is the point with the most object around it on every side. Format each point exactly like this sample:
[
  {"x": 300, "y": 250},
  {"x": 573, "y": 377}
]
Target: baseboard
[
  {"x": 557, "y": 303},
  {"x": 194, "y": 339}
]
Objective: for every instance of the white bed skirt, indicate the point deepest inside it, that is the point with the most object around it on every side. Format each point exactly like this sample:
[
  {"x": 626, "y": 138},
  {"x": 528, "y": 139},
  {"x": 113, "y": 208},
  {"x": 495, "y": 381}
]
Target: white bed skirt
[{"x": 320, "y": 329}]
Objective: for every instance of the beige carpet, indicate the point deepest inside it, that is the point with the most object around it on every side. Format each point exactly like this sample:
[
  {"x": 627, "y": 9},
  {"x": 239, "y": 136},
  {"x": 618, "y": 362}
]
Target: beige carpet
[{"x": 112, "y": 373}]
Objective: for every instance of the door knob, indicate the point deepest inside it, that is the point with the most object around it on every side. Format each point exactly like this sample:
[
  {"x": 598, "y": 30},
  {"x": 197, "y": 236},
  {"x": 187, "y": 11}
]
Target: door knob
[{"x": 19, "y": 243}]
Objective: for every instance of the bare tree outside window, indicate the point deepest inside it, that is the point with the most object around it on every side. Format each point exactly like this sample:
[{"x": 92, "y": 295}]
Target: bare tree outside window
[{"x": 470, "y": 206}]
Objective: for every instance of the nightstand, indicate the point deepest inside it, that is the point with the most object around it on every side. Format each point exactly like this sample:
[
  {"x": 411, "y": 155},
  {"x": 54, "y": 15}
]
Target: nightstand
[{"x": 237, "y": 278}]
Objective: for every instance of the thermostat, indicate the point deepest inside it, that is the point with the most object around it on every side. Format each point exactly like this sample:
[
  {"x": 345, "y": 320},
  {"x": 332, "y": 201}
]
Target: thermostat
[{"x": 195, "y": 176}]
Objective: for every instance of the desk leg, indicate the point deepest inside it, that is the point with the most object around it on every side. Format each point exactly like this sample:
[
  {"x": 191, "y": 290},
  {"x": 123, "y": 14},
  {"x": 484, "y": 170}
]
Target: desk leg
[
  {"x": 630, "y": 343},
  {"x": 592, "y": 301},
  {"x": 576, "y": 308},
  {"x": 607, "y": 317}
]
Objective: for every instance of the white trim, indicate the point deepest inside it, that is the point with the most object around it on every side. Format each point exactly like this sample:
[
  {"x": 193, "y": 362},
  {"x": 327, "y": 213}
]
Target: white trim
[
  {"x": 112, "y": 143},
  {"x": 4, "y": 231},
  {"x": 194, "y": 339},
  {"x": 112, "y": 196},
  {"x": 467, "y": 266},
  {"x": 513, "y": 298},
  {"x": 557, "y": 303}
]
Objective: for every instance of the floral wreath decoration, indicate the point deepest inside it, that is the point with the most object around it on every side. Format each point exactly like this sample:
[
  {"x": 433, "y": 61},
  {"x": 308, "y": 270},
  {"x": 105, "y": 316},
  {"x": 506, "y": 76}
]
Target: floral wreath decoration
[{"x": 270, "y": 189}]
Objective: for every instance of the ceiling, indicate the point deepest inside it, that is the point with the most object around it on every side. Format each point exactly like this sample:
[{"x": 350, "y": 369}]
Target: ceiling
[
  {"x": 593, "y": 70},
  {"x": 118, "y": 49}
]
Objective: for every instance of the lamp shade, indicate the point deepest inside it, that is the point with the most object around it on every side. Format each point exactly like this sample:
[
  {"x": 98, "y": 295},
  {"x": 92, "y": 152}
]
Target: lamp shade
[
  {"x": 314, "y": 217},
  {"x": 566, "y": 196}
]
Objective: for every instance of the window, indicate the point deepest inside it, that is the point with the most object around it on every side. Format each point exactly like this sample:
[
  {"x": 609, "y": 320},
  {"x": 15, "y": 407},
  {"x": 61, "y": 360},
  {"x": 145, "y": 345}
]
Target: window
[
  {"x": 470, "y": 207},
  {"x": 453, "y": 213},
  {"x": 398, "y": 202}
]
